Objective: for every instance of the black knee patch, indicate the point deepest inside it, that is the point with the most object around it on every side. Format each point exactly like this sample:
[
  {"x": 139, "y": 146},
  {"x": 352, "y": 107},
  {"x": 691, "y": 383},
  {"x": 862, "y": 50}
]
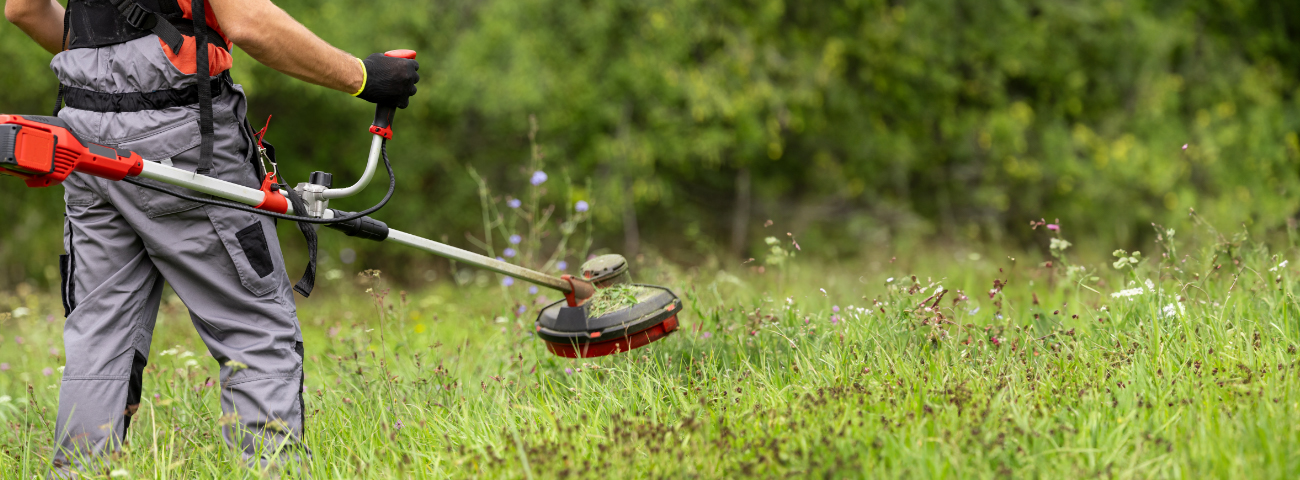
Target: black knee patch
[{"x": 134, "y": 387}]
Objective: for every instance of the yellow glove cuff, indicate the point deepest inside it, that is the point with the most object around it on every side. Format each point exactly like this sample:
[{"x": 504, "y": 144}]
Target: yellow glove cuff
[{"x": 364, "y": 77}]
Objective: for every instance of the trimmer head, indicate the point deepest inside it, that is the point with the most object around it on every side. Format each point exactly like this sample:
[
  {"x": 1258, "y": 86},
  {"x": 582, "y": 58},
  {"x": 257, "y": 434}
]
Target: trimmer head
[{"x": 575, "y": 332}]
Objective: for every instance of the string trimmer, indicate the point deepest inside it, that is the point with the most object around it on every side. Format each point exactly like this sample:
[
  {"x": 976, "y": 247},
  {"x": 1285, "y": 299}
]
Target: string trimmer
[{"x": 43, "y": 152}]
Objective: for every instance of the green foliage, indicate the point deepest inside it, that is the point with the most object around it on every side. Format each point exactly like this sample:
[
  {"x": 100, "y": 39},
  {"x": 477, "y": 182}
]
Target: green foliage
[{"x": 864, "y": 123}]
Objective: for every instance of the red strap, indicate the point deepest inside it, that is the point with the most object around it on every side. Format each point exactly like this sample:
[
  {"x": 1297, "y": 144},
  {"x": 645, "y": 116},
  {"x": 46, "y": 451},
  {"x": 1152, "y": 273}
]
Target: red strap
[{"x": 262, "y": 133}]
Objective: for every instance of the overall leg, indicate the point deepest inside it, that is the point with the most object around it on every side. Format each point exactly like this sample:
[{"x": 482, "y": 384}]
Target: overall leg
[
  {"x": 112, "y": 291},
  {"x": 227, "y": 267}
]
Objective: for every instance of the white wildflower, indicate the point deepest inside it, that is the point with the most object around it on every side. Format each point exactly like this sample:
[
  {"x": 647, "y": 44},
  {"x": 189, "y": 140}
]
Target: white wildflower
[
  {"x": 1279, "y": 266},
  {"x": 21, "y": 312},
  {"x": 191, "y": 363},
  {"x": 1132, "y": 292},
  {"x": 119, "y": 473},
  {"x": 937, "y": 290},
  {"x": 889, "y": 280},
  {"x": 1150, "y": 286},
  {"x": 1174, "y": 310}
]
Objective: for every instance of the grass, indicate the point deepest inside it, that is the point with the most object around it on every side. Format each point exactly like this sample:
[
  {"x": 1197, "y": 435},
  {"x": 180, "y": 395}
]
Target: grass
[
  {"x": 1015, "y": 368},
  {"x": 614, "y": 298}
]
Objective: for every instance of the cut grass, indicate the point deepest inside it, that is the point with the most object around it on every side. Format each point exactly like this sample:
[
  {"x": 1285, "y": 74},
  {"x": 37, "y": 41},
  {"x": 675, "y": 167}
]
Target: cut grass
[
  {"x": 614, "y": 298},
  {"x": 1031, "y": 376}
]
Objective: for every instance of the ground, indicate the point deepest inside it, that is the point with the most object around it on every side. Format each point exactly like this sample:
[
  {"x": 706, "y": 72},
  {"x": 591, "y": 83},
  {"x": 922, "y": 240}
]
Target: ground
[{"x": 950, "y": 364}]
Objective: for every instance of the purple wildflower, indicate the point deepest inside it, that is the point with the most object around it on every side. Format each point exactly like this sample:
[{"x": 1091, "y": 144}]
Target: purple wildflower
[
  {"x": 581, "y": 206},
  {"x": 499, "y": 259},
  {"x": 509, "y": 252},
  {"x": 398, "y": 425},
  {"x": 706, "y": 335},
  {"x": 561, "y": 265},
  {"x": 4, "y": 367},
  {"x": 835, "y": 308},
  {"x": 18, "y": 340},
  {"x": 1053, "y": 227},
  {"x": 1184, "y": 147},
  {"x": 514, "y": 203},
  {"x": 515, "y": 239},
  {"x": 539, "y": 177},
  {"x": 532, "y": 290},
  {"x": 157, "y": 396},
  {"x": 508, "y": 281},
  {"x": 54, "y": 352},
  {"x": 835, "y": 319},
  {"x": 47, "y": 371},
  {"x": 521, "y": 310},
  {"x": 568, "y": 371}
]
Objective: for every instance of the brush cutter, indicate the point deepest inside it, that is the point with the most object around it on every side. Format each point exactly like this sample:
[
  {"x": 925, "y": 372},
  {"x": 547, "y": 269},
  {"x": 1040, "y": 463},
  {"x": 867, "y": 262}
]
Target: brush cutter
[{"x": 43, "y": 152}]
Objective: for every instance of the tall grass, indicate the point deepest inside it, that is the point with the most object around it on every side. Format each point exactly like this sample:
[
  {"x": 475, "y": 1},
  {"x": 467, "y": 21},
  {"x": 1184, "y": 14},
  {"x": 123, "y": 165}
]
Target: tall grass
[{"x": 948, "y": 365}]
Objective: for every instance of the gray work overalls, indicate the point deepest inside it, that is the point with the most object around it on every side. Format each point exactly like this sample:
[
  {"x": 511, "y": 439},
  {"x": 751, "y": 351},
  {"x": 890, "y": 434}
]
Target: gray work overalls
[{"x": 123, "y": 242}]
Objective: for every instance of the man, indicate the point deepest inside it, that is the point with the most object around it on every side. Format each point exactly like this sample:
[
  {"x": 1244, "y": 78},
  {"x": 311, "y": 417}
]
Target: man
[{"x": 134, "y": 84}]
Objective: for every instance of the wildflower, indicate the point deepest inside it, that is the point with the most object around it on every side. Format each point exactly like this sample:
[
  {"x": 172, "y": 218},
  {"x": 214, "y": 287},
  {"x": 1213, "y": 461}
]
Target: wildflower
[
  {"x": 500, "y": 258},
  {"x": 835, "y": 319},
  {"x": 398, "y": 425},
  {"x": 889, "y": 280},
  {"x": 706, "y": 335},
  {"x": 514, "y": 203},
  {"x": 561, "y": 265},
  {"x": 509, "y": 252},
  {"x": 835, "y": 308},
  {"x": 823, "y": 292},
  {"x": 508, "y": 281},
  {"x": 191, "y": 363},
  {"x": 21, "y": 312},
  {"x": 515, "y": 239},
  {"x": 568, "y": 371},
  {"x": 539, "y": 177},
  {"x": 581, "y": 206},
  {"x": 157, "y": 396},
  {"x": 1184, "y": 147},
  {"x": 18, "y": 340},
  {"x": 1053, "y": 227},
  {"x": 47, "y": 371},
  {"x": 532, "y": 290},
  {"x": 938, "y": 289},
  {"x": 4, "y": 367},
  {"x": 54, "y": 352},
  {"x": 521, "y": 310},
  {"x": 1280, "y": 265},
  {"x": 1150, "y": 286},
  {"x": 1132, "y": 292},
  {"x": 121, "y": 472},
  {"x": 1174, "y": 310}
]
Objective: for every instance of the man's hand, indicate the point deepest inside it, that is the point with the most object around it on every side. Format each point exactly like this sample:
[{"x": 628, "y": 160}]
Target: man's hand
[
  {"x": 40, "y": 19},
  {"x": 389, "y": 81}
]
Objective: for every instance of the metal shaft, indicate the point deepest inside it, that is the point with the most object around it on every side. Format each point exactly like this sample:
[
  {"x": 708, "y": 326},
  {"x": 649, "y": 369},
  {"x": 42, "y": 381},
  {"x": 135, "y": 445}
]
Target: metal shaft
[{"x": 477, "y": 260}]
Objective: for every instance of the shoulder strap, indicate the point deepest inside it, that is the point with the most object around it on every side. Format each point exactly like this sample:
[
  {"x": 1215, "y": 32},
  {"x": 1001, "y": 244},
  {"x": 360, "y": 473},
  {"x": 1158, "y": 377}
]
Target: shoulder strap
[{"x": 198, "y": 14}]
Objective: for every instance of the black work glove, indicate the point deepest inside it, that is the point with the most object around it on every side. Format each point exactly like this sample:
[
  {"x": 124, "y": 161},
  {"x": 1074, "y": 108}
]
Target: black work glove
[{"x": 389, "y": 81}]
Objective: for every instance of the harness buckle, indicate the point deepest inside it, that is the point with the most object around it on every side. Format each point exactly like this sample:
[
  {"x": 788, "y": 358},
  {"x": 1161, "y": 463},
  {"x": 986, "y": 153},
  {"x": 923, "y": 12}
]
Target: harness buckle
[{"x": 138, "y": 17}]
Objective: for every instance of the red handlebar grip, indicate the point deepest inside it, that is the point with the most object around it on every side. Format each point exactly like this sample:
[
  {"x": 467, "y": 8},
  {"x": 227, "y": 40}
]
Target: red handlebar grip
[{"x": 407, "y": 54}]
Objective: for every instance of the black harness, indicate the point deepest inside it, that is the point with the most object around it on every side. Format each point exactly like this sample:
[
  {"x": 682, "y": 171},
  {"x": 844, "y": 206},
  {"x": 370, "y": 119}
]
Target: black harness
[{"x": 100, "y": 23}]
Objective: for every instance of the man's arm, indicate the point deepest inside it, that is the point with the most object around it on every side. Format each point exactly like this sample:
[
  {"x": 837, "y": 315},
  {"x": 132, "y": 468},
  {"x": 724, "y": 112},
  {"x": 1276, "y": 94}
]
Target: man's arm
[
  {"x": 275, "y": 39},
  {"x": 40, "y": 19}
]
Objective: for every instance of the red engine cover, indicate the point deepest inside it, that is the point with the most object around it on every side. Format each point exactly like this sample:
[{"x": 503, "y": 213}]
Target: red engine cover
[{"x": 44, "y": 154}]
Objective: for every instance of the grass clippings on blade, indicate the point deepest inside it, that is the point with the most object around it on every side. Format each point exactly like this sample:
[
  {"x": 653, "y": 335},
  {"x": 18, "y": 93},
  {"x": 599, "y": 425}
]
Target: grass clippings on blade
[{"x": 614, "y": 298}]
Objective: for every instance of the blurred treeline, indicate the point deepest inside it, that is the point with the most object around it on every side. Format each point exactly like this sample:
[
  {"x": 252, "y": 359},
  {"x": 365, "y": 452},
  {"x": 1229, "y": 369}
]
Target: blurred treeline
[{"x": 860, "y": 125}]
